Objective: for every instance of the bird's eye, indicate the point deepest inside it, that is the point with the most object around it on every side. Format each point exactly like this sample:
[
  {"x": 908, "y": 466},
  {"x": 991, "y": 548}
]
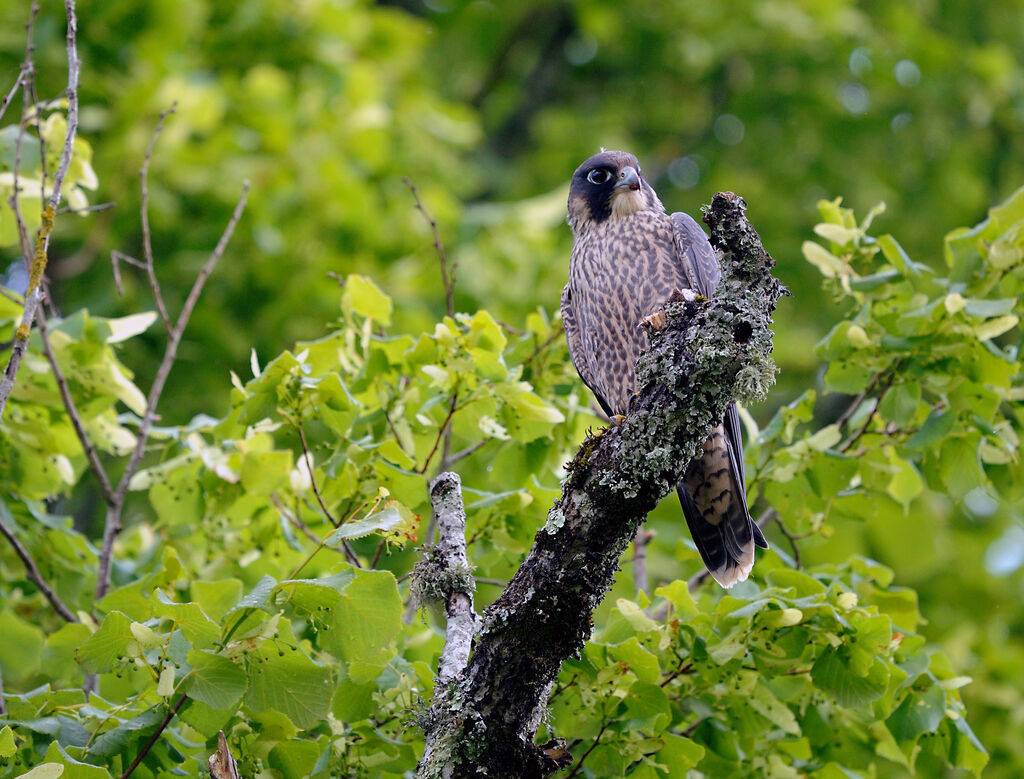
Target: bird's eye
[{"x": 598, "y": 176}]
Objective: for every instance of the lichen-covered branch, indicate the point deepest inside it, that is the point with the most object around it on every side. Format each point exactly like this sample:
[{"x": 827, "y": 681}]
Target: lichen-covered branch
[
  {"x": 708, "y": 354},
  {"x": 443, "y": 575}
]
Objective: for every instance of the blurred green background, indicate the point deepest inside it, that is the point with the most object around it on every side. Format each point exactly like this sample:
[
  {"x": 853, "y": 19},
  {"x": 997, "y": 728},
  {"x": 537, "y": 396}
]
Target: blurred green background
[{"x": 488, "y": 107}]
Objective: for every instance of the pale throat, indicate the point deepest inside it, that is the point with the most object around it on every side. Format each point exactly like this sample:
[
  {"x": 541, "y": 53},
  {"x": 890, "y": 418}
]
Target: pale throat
[{"x": 626, "y": 202}]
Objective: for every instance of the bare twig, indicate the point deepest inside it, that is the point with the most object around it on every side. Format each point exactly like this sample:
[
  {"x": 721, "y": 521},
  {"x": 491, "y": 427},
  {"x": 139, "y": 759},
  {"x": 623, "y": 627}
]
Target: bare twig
[
  {"x": 556, "y": 333},
  {"x": 597, "y": 740},
  {"x": 156, "y": 735},
  {"x": 87, "y": 209},
  {"x": 34, "y": 292},
  {"x": 76, "y": 418},
  {"x": 32, "y": 570},
  {"x": 792, "y": 540},
  {"x": 350, "y": 554},
  {"x": 447, "y": 273},
  {"x": 867, "y": 422},
  {"x": 6, "y": 101},
  {"x": 441, "y": 431},
  {"x": 298, "y": 524},
  {"x": 470, "y": 450},
  {"x": 147, "y": 243},
  {"x": 640, "y": 541},
  {"x": 26, "y": 65},
  {"x": 112, "y": 525}
]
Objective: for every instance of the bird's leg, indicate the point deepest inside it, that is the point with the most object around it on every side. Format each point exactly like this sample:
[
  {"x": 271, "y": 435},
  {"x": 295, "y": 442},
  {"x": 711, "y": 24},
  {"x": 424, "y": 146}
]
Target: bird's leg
[{"x": 617, "y": 419}]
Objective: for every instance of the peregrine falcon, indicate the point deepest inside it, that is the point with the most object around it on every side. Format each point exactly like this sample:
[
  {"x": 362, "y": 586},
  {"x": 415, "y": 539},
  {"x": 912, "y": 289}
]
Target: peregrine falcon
[{"x": 628, "y": 257}]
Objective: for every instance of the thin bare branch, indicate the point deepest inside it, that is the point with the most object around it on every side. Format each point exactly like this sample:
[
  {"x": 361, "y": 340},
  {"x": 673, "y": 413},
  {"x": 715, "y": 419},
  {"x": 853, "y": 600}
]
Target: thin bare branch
[
  {"x": 350, "y": 554},
  {"x": 640, "y": 541},
  {"x": 76, "y": 418},
  {"x": 447, "y": 273},
  {"x": 462, "y": 454},
  {"x": 294, "y": 520},
  {"x": 6, "y": 100},
  {"x": 32, "y": 570},
  {"x": 147, "y": 242},
  {"x": 156, "y": 735},
  {"x": 33, "y": 295},
  {"x": 112, "y": 525},
  {"x": 87, "y": 209}
]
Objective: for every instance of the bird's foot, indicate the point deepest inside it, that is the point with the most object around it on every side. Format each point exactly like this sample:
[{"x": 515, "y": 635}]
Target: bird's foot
[
  {"x": 617, "y": 419},
  {"x": 655, "y": 321},
  {"x": 658, "y": 320},
  {"x": 678, "y": 295}
]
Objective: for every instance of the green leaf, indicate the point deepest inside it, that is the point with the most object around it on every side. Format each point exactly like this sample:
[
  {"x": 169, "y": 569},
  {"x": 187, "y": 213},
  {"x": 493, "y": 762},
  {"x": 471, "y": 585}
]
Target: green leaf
[
  {"x": 772, "y": 709},
  {"x": 7, "y": 747},
  {"x": 380, "y": 521},
  {"x": 20, "y": 648},
  {"x": 918, "y": 713},
  {"x": 74, "y": 769},
  {"x": 647, "y": 708},
  {"x": 215, "y": 680},
  {"x": 265, "y": 472},
  {"x": 906, "y": 483},
  {"x": 106, "y": 646},
  {"x": 966, "y": 751},
  {"x": 294, "y": 759},
  {"x": 365, "y": 298},
  {"x": 679, "y": 753},
  {"x": 126, "y": 327},
  {"x": 44, "y": 771},
  {"x": 358, "y": 614},
  {"x": 118, "y": 740},
  {"x": 938, "y": 425},
  {"x": 831, "y": 672},
  {"x": 826, "y": 262},
  {"x": 900, "y": 403},
  {"x": 199, "y": 629},
  {"x": 960, "y": 465},
  {"x": 996, "y": 327},
  {"x": 292, "y": 685}
]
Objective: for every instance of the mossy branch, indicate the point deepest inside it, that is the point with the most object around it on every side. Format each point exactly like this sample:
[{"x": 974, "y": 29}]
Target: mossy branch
[{"x": 708, "y": 354}]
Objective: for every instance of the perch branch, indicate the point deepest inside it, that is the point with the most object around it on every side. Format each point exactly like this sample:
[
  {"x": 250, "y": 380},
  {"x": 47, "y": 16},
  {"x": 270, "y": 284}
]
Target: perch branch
[
  {"x": 708, "y": 354},
  {"x": 444, "y": 574}
]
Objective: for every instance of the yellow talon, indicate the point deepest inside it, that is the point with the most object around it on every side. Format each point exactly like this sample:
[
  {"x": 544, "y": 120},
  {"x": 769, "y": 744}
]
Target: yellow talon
[{"x": 618, "y": 419}]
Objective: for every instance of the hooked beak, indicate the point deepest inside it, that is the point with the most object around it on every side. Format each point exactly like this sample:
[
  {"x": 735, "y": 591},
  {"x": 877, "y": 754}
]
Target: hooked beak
[{"x": 628, "y": 179}]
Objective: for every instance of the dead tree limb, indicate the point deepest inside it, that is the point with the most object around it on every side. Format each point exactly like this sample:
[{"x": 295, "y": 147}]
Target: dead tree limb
[
  {"x": 443, "y": 575},
  {"x": 708, "y": 354}
]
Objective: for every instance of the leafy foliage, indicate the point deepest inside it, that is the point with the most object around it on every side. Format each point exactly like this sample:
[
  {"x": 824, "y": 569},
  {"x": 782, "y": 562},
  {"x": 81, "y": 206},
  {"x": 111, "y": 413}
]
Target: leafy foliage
[
  {"x": 239, "y": 598},
  {"x": 259, "y": 583}
]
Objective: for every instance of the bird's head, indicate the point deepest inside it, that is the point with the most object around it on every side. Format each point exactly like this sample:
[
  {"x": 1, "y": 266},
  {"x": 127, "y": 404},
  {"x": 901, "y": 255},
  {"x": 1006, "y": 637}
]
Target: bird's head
[{"x": 609, "y": 186}]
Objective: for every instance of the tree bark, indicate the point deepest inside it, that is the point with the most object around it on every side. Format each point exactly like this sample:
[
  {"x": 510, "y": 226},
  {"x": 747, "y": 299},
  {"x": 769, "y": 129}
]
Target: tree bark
[{"x": 707, "y": 354}]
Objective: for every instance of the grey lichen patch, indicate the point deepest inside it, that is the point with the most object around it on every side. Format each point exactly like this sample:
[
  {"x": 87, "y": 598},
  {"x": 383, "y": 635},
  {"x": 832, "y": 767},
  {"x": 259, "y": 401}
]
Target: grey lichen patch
[
  {"x": 455, "y": 730},
  {"x": 433, "y": 580},
  {"x": 556, "y": 518}
]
